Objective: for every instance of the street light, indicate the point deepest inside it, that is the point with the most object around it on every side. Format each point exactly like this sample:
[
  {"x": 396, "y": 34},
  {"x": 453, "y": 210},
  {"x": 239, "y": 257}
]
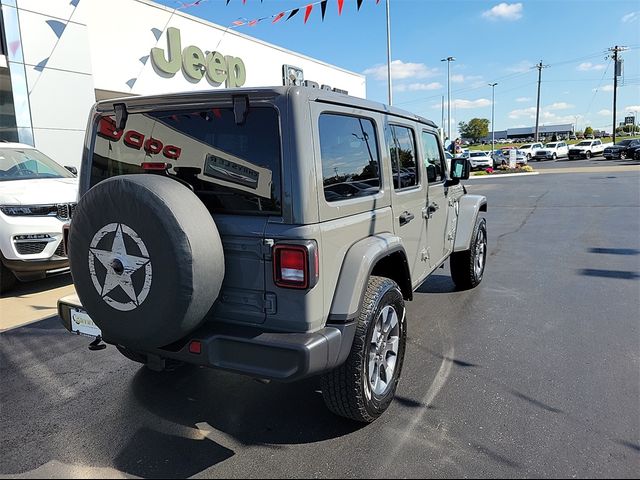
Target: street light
[
  {"x": 575, "y": 129},
  {"x": 448, "y": 60},
  {"x": 493, "y": 128}
]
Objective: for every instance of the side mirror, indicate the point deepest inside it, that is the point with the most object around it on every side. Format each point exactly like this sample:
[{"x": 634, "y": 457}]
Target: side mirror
[
  {"x": 460, "y": 169},
  {"x": 73, "y": 170}
]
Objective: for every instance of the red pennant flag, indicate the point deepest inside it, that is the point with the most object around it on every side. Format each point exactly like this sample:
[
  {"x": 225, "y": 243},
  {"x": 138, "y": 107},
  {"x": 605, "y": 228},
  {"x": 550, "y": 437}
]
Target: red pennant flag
[
  {"x": 308, "y": 12},
  {"x": 340, "y": 4},
  {"x": 252, "y": 23},
  {"x": 278, "y": 17},
  {"x": 238, "y": 23},
  {"x": 323, "y": 6},
  {"x": 244, "y": 2}
]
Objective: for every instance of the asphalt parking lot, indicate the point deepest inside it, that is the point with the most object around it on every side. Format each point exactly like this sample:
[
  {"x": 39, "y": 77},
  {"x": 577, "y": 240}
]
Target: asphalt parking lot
[{"x": 532, "y": 374}]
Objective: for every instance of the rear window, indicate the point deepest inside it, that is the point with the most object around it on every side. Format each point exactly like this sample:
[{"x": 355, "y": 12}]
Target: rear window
[{"x": 231, "y": 168}]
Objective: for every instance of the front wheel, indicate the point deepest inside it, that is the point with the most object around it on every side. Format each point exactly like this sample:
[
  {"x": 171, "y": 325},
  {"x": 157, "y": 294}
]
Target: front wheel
[
  {"x": 364, "y": 386},
  {"x": 588, "y": 155},
  {"x": 467, "y": 267},
  {"x": 623, "y": 155},
  {"x": 555, "y": 157}
]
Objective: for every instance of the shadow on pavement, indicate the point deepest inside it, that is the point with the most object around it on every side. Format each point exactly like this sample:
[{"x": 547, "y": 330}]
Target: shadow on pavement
[
  {"x": 437, "y": 284},
  {"x": 619, "y": 274},
  {"x": 251, "y": 412},
  {"x": 615, "y": 251},
  {"x": 38, "y": 286}
]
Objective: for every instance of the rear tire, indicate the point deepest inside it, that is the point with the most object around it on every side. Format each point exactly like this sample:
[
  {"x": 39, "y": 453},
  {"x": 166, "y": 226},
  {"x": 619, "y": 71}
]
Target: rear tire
[
  {"x": 555, "y": 157},
  {"x": 364, "y": 386},
  {"x": 7, "y": 279},
  {"x": 467, "y": 267}
]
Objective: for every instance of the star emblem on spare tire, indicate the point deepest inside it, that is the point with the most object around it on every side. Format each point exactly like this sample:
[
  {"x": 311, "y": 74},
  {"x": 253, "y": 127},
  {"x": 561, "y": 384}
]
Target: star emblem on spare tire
[{"x": 120, "y": 265}]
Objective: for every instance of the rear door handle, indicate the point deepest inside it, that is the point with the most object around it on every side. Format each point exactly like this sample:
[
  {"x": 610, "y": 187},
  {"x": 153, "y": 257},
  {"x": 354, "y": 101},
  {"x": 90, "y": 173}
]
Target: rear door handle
[{"x": 406, "y": 217}]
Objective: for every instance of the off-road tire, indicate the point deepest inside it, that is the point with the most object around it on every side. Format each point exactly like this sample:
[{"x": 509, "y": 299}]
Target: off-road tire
[
  {"x": 464, "y": 271},
  {"x": 346, "y": 390}
]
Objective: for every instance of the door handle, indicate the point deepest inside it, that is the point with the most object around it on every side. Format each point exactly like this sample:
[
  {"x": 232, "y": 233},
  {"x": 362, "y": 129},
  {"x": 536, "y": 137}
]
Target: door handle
[
  {"x": 432, "y": 208},
  {"x": 406, "y": 217}
]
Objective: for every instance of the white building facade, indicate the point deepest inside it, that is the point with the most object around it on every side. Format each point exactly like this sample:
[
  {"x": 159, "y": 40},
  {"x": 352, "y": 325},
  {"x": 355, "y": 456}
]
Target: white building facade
[{"x": 58, "y": 57}]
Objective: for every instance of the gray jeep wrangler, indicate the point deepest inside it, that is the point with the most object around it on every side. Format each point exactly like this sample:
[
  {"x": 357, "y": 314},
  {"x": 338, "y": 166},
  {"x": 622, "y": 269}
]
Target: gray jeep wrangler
[{"x": 273, "y": 232}]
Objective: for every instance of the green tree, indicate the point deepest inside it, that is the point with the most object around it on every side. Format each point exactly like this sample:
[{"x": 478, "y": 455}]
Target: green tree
[
  {"x": 588, "y": 131},
  {"x": 476, "y": 129}
]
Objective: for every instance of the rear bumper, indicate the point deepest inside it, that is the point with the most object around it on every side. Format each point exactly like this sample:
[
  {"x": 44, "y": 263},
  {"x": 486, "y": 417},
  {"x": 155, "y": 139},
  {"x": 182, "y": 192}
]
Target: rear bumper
[{"x": 285, "y": 357}]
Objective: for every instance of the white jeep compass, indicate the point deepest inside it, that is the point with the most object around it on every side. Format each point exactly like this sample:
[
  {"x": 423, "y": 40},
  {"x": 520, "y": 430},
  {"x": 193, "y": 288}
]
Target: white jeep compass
[{"x": 37, "y": 197}]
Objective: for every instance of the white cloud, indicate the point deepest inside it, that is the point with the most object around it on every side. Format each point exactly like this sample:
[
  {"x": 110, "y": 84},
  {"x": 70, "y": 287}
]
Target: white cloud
[
  {"x": 479, "y": 103},
  {"x": 416, "y": 87},
  {"x": 401, "y": 70},
  {"x": 476, "y": 79},
  {"x": 504, "y": 11},
  {"x": 606, "y": 88},
  {"x": 521, "y": 67},
  {"x": 590, "y": 67},
  {"x": 604, "y": 112},
  {"x": 632, "y": 108},
  {"x": 559, "y": 106},
  {"x": 631, "y": 17},
  {"x": 523, "y": 99},
  {"x": 457, "y": 78},
  {"x": 523, "y": 112}
]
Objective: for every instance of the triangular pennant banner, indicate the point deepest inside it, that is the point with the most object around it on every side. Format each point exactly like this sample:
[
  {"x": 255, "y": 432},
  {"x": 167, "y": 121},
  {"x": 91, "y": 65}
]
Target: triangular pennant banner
[
  {"x": 144, "y": 59},
  {"x": 228, "y": 2},
  {"x": 74, "y": 3},
  {"x": 359, "y": 4},
  {"x": 57, "y": 27},
  {"x": 340, "y": 5},
  {"x": 39, "y": 67},
  {"x": 278, "y": 17},
  {"x": 252, "y": 23},
  {"x": 308, "y": 12},
  {"x": 293, "y": 12},
  {"x": 238, "y": 23},
  {"x": 131, "y": 82},
  {"x": 323, "y": 6},
  {"x": 156, "y": 33}
]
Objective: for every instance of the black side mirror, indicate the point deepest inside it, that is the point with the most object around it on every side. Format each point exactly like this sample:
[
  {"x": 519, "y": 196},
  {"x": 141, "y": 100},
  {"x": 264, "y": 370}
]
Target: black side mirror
[
  {"x": 73, "y": 170},
  {"x": 460, "y": 169}
]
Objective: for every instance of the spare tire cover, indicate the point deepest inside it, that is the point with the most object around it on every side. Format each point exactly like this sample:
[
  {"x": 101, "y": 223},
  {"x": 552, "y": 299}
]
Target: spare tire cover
[{"x": 146, "y": 259}]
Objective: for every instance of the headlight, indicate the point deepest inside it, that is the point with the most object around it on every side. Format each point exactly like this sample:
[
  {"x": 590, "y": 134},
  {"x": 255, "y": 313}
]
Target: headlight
[{"x": 25, "y": 210}]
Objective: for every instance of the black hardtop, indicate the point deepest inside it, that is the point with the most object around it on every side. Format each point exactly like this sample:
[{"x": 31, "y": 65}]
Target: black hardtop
[{"x": 146, "y": 102}]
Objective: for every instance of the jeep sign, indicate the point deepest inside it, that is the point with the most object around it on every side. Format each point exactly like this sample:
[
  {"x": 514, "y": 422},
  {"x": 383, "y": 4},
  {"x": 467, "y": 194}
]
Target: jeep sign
[{"x": 195, "y": 64}]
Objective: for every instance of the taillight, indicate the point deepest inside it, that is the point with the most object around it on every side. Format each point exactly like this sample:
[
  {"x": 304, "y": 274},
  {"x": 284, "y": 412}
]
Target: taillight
[{"x": 295, "y": 266}]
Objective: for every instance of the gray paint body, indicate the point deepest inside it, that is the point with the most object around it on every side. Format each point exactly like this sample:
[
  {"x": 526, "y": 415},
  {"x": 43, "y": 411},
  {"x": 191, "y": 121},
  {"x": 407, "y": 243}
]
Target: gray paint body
[{"x": 352, "y": 235}]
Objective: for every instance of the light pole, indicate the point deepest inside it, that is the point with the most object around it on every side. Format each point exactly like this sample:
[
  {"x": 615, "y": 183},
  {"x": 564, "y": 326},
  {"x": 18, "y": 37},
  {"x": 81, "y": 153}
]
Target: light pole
[
  {"x": 448, "y": 60},
  {"x": 389, "y": 53},
  {"x": 493, "y": 128},
  {"x": 575, "y": 129}
]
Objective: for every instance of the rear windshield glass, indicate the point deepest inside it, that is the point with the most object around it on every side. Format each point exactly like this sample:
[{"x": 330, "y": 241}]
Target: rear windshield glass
[{"x": 232, "y": 168}]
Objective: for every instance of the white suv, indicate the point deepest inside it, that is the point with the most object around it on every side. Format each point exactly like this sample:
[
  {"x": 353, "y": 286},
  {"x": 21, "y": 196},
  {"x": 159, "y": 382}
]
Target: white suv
[
  {"x": 552, "y": 151},
  {"x": 37, "y": 198},
  {"x": 530, "y": 148}
]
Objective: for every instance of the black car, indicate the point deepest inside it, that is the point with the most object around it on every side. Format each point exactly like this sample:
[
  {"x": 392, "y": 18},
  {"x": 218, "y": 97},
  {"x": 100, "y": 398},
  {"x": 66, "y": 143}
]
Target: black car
[{"x": 622, "y": 150}]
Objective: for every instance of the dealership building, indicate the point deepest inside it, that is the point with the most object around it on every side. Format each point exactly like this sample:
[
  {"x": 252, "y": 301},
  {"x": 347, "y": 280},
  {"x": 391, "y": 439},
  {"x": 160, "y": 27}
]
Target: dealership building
[
  {"x": 544, "y": 131},
  {"x": 58, "y": 57}
]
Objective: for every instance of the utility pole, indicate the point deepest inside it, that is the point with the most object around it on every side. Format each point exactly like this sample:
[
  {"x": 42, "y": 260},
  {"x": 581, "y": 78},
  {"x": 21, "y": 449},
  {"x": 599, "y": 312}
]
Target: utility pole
[
  {"x": 389, "y": 53},
  {"x": 493, "y": 128},
  {"x": 442, "y": 113},
  {"x": 540, "y": 66},
  {"x": 617, "y": 71},
  {"x": 448, "y": 60}
]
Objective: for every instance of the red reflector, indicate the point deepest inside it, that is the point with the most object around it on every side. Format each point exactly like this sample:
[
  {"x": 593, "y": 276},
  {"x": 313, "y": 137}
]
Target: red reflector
[
  {"x": 154, "y": 166},
  {"x": 195, "y": 347}
]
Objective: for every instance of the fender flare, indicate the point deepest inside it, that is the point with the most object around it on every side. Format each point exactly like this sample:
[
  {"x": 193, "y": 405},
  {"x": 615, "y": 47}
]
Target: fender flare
[
  {"x": 357, "y": 267},
  {"x": 470, "y": 206}
]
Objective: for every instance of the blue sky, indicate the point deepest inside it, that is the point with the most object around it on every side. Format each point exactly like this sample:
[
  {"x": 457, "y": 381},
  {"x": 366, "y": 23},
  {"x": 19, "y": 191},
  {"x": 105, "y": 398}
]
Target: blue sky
[{"x": 492, "y": 41}]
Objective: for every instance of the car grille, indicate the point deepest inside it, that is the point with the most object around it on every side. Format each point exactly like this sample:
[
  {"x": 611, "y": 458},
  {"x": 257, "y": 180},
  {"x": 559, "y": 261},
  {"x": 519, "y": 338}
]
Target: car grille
[
  {"x": 66, "y": 210},
  {"x": 30, "y": 248},
  {"x": 60, "y": 250}
]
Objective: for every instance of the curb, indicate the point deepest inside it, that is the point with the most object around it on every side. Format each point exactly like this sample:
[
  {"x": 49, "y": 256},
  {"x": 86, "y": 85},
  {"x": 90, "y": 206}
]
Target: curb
[{"x": 505, "y": 175}]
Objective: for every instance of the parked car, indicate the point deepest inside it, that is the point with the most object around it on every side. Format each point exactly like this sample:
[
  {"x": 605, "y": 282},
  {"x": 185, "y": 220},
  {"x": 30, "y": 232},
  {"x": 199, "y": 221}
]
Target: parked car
[
  {"x": 530, "y": 149},
  {"x": 623, "y": 149},
  {"x": 267, "y": 272},
  {"x": 521, "y": 156},
  {"x": 552, "y": 151},
  {"x": 37, "y": 197},
  {"x": 586, "y": 149},
  {"x": 480, "y": 160}
]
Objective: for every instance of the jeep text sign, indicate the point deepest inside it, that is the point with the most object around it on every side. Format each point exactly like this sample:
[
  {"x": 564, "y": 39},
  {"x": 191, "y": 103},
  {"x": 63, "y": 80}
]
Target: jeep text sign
[{"x": 195, "y": 64}]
